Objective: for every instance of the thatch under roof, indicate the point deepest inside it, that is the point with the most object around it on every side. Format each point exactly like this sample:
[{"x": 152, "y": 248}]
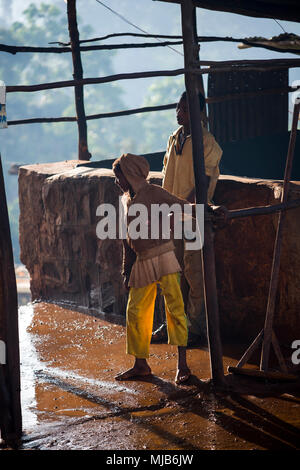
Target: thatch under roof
[{"x": 284, "y": 42}]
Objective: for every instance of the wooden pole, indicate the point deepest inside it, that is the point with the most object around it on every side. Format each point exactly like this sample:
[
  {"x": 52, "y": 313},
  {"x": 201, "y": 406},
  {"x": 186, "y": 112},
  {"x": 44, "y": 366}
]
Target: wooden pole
[
  {"x": 263, "y": 210},
  {"x": 191, "y": 51},
  {"x": 138, "y": 75},
  {"x": 83, "y": 153},
  {"x": 11, "y": 429},
  {"x": 268, "y": 327},
  {"x": 147, "y": 109}
]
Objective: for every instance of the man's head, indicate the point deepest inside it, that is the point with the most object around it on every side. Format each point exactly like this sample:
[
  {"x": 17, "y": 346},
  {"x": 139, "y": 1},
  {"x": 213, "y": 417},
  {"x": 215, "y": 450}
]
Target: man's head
[
  {"x": 120, "y": 179},
  {"x": 182, "y": 111},
  {"x": 131, "y": 171}
]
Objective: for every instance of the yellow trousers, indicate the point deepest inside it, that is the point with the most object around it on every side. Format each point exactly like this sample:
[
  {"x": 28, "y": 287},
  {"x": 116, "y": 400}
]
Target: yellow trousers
[{"x": 140, "y": 312}]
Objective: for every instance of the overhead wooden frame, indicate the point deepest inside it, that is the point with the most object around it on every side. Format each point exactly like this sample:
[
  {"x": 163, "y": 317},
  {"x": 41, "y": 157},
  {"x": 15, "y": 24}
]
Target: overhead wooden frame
[{"x": 285, "y": 10}]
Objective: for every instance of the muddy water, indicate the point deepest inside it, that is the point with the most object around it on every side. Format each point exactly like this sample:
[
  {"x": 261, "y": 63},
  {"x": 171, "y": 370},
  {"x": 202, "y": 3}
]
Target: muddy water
[{"x": 70, "y": 399}]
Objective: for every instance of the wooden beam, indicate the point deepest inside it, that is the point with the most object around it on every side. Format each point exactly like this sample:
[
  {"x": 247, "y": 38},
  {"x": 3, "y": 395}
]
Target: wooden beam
[
  {"x": 200, "y": 39},
  {"x": 288, "y": 11},
  {"x": 215, "y": 67},
  {"x": 189, "y": 33},
  {"x": 263, "y": 210},
  {"x": 259, "y": 374},
  {"x": 253, "y": 346},
  {"x": 83, "y": 152},
  {"x": 63, "y": 50},
  {"x": 147, "y": 109},
  {"x": 268, "y": 327},
  {"x": 9, "y": 333},
  {"x": 127, "y": 112},
  {"x": 66, "y": 49},
  {"x": 254, "y": 62},
  {"x": 91, "y": 81}
]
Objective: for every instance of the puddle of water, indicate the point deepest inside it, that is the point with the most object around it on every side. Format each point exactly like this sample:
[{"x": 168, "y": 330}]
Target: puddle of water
[
  {"x": 68, "y": 363},
  {"x": 58, "y": 352},
  {"x": 29, "y": 363}
]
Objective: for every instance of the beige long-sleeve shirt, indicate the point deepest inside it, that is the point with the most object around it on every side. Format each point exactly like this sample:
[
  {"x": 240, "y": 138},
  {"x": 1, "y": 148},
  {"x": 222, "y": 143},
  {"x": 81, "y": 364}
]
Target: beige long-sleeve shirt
[{"x": 178, "y": 169}]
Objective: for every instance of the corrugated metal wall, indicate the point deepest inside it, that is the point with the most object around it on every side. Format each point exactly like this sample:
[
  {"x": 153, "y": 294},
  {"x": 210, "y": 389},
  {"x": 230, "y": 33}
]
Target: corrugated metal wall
[{"x": 240, "y": 119}]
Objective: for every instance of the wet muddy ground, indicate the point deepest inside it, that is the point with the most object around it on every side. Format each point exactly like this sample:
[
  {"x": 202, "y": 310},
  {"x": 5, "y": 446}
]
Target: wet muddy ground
[{"x": 70, "y": 399}]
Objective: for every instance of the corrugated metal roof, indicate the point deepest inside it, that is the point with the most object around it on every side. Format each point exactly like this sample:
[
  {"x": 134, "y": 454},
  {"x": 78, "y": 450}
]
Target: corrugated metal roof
[{"x": 244, "y": 118}]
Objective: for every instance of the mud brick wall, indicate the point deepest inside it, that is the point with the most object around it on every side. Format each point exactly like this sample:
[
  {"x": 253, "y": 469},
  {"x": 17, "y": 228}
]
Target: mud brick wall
[{"x": 69, "y": 264}]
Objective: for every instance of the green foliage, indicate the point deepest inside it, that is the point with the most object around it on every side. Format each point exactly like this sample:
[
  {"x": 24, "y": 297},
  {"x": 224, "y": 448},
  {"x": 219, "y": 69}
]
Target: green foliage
[
  {"x": 36, "y": 143},
  {"x": 107, "y": 138},
  {"x": 158, "y": 126}
]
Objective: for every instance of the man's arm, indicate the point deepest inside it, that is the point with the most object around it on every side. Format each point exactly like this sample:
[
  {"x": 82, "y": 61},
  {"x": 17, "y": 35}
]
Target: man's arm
[
  {"x": 166, "y": 157},
  {"x": 129, "y": 258}
]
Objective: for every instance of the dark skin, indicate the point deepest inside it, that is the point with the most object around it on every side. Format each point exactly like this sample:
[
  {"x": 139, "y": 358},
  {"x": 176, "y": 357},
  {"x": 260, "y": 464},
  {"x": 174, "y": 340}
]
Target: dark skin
[
  {"x": 123, "y": 184},
  {"x": 141, "y": 367}
]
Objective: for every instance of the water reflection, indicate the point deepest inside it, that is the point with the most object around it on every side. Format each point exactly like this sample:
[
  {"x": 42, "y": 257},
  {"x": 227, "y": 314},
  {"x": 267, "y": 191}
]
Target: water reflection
[
  {"x": 62, "y": 357},
  {"x": 29, "y": 363}
]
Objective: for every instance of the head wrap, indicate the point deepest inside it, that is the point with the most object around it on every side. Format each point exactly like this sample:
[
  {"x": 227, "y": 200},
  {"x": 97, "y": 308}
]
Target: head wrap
[{"x": 135, "y": 169}]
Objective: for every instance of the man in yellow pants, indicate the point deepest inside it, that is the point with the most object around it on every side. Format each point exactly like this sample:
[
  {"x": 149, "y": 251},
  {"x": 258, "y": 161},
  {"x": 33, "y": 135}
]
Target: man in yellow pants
[
  {"x": 154, "y": 262},
  {"x": 140, "y": 311}
]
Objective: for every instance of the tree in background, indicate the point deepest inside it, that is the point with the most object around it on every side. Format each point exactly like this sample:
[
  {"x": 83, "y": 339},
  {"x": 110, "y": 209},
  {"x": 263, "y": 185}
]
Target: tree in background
[
  {"x": 37, "y": 143},
  {"x": 158, "y": 126}
]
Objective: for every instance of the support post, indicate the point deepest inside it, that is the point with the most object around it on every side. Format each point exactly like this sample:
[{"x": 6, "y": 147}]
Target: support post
[
  {"x": 83, "y": 152},
  {"x": 268, "y": 327},
  {"x": 191, "y": 55},
  {"x": 10, "y": 409},
  {"x": 267, "y": 335}
]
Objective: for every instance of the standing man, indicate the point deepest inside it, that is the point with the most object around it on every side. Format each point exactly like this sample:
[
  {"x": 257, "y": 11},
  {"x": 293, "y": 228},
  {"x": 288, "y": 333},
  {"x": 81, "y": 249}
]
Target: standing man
[{"x": 178, "y": 179}]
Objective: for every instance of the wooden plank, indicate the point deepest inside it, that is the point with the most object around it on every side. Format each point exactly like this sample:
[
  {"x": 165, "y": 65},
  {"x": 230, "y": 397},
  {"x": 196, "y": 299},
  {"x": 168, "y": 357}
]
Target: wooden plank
[
  {"x": 9, "y": 332},
  {"x": 83, "y": 152},
  {"x": 260, "y": 374},
  {"x": 268, "y": 327},
  {"x": 253, "y": 346},
  {"x": 189, "y": 33}
]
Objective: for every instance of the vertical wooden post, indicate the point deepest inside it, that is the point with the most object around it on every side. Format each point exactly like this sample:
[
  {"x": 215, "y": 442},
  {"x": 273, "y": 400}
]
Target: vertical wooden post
[
  {"x": 191, "y": 56},
  {"x": 268, "y": 327},
  {"x": 83, "y": 152},
  {"x": 11, "y": 425}
]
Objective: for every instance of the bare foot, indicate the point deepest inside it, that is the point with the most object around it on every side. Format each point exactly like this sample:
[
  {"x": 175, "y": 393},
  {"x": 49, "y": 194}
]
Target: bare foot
[
  {"x": 134, "y": 372},
  {"x": 182, "y": 375}
]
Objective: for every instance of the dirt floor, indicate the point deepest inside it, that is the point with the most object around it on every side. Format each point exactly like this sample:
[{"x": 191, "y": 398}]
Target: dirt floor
[{"x": 70, "y": 399}]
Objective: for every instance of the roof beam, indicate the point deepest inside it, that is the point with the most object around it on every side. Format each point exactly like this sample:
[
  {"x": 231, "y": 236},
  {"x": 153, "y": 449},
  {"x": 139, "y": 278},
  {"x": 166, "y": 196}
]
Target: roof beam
[{"x": 288, "y": 10}]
